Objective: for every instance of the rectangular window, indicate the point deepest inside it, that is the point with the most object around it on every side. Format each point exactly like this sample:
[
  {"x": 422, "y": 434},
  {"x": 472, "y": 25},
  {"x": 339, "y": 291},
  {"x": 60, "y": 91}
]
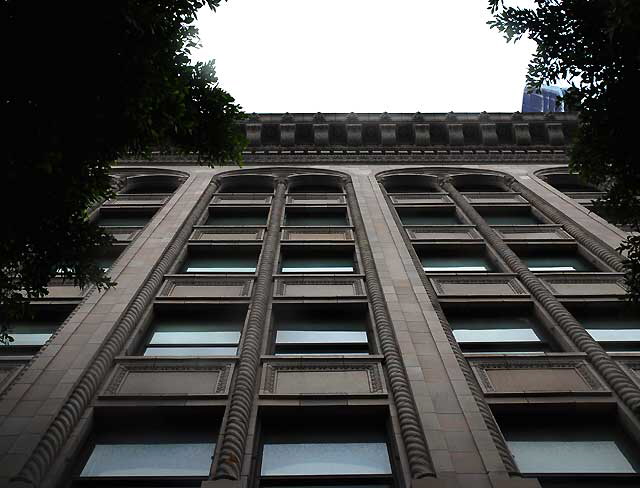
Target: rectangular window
[
  {"x": 161, "y": 459},
  {"x": 509, "y": 215},
  {"x": 26, "y": 336},
  {"x": 31, "y": 332},
  {"x": 311, "y": 260},
  {"x": 237, "y": 216},
  {"x": 320, "y": 331},
  {"x": 562, "y": 444},
  {"x": 462, "y": 264},
  {"x": 477, "y": 188},
  {"x": 316, "y": 218},
  {"x": 222, "y": 260},
  {"x": 512, "y": 220},
  {"x": 497, "y": 331},
  {"x": 165, "y": 446},
  {"x": 322, "y": 457},
  {"x": 313, "y": 448},
  {"x": 539, "y": 264},
  {"x": 310, "y": 188},
  {"x": 454, "y": 260},
  {"x": 213, "y": 332},
  {"x": 428, "y": 216},
  {"x": 616, "y": 328},
  {"x": 410, "y": 189},
  {"x": 105, "y": 262},
  {"x": 123, "y": 218},
  {"x": 548, "y": 258}
]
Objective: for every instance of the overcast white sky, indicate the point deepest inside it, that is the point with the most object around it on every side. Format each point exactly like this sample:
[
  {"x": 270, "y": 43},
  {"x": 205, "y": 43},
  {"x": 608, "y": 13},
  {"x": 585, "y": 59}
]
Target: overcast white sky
[{"x": 363, "y": 56}]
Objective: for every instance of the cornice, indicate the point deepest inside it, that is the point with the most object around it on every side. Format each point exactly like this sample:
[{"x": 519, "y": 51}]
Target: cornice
[
  {"x": 369, "y": 138},
  {"x": 408, "y": 130},
  {"x": 372, "y": 156},
  {"x": 416, "y": 117}
]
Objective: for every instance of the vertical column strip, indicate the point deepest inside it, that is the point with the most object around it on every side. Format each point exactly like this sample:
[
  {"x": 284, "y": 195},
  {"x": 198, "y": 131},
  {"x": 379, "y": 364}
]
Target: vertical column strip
[
  {"x": 587, "y": 239},
  {"x": 243, "y": 390},
  {"x": 472, "y": 382},
  {"x": 607, "y": 367},
  {"x": 80, "y": 398},
  {"x": 413, "y": 436}
]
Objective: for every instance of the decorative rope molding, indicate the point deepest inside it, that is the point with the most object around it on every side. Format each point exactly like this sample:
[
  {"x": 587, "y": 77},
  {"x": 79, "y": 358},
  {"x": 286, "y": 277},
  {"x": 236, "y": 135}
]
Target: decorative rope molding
[
  {"x": 584, "y": 237},
  {"x": 474, "y": 387},
  {"x": 242, "y": 392},
  {"x": 70, "y": 413},
  {"x": 607, "y": 367},
  {"x": 413, "y": 437}
]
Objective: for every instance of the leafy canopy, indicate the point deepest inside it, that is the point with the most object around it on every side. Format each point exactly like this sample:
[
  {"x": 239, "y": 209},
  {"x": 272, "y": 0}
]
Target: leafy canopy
[
  {"x": 595, "y": 44},
  {"x": 85, "y": 84}
]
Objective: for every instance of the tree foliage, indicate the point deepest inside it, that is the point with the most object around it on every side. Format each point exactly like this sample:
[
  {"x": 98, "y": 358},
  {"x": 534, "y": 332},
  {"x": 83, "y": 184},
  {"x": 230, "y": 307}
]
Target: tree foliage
[
  {"x": 85, "y": 84},
  {"x": 594, "y": 44}
]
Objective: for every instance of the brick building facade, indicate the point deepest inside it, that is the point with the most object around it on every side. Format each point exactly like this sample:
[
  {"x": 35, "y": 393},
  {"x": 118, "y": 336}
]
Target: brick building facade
[{"x": 418, "y": 300}]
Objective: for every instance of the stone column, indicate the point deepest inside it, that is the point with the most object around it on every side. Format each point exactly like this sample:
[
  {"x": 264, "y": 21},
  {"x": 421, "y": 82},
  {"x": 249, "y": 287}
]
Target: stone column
[
  {"x": 469, "y": 376},
  {"x": 413, "y": 437}
]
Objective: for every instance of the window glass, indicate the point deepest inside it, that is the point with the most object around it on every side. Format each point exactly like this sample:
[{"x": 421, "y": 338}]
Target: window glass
[
  {"x": 577, "y": 188},
  {"x": 324, "y": 218},
  {"x": 320, "y": 331},
  {"x": 105, "y": 262},
  {"x": 494, "y": 329},
  {"x": 31, "y": 333},
  {"x": 325, "y": 446},
  {"x": 609, "y": 325},
  {"x": 563, "y": 445},
  {"x": 153, "y": 459},
  {"x": 213, "y": 332},
  {"x": 333, "y": 485},
  {"x": 190, "y": 351},
  {"x": 152, "y": 441},
  {"x": 410, "y": 189},
  {"x": 468, "y": 187},
  {"x": 427, "y": 217},
  {"x": 569, "y": 183},
  {"x": 325, "y": 458},
  {"x": 331, "y": 263},
  {"x": 237, "y": 217},
  {"x": 613, "y": 330},
  {"x": 245, "y": 188},
  {"x": 123, "y": 220},
  {"x": 102, "y": 262},
  {"x": 557, "y": 263},
  {"x": 195, "y": 332},
  {"x": 320, "y": 336},
  {"x": 221, "y": 264},
  {"x": 522, "y": 219},
  {"x": 497, "y": 330},
  {"x": 314, "y": 189},
  {"x": 459, "y": 264},
  {"x": 575, "y": 456},
  {"x": 149, "y": 187}
]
